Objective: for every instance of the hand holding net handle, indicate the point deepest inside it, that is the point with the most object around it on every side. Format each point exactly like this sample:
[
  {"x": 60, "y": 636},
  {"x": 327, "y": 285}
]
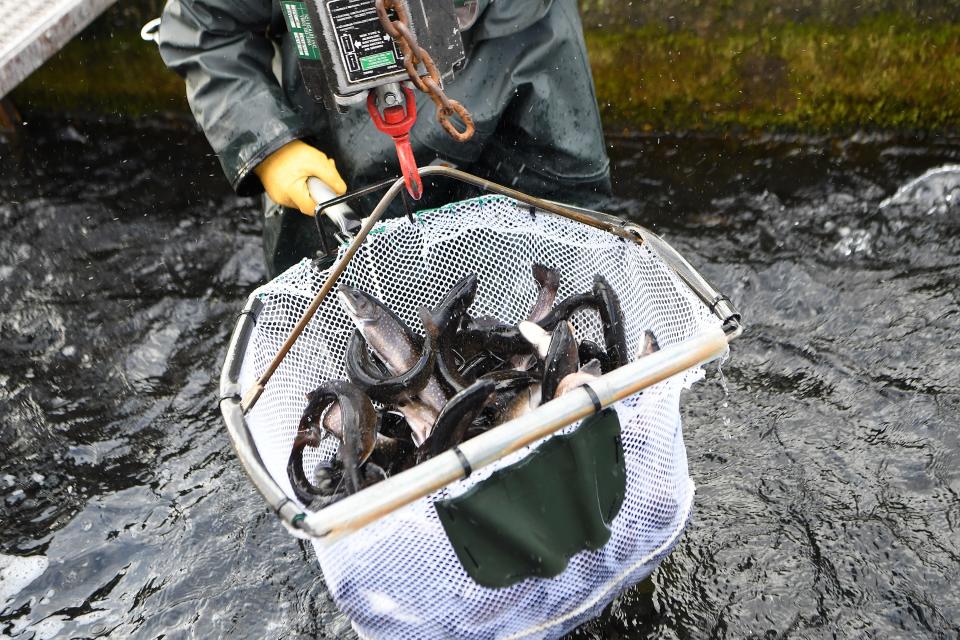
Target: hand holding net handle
[{"x": 341, "y": 214}]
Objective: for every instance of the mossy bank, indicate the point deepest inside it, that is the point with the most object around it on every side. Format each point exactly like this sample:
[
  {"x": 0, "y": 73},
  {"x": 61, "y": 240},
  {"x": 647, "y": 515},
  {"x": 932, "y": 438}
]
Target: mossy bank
[
  {"x": 888, "y": 72},
  {"x": 884, "y": 71}
]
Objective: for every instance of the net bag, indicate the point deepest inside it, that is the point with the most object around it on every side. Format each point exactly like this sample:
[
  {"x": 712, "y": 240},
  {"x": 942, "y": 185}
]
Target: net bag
[{"x": 399, "y": 577}]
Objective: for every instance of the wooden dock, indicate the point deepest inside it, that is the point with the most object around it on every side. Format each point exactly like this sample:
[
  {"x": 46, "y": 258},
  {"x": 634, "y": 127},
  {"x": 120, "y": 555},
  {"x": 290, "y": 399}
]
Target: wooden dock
[{"x": 31, "y": 31}]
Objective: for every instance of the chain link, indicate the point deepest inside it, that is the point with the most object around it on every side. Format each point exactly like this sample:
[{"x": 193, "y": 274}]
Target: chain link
[{"x": 429, "y": 83}]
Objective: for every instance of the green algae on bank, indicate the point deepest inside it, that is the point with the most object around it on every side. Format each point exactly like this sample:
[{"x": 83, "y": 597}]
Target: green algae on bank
[{"x": 889, "y": 73}]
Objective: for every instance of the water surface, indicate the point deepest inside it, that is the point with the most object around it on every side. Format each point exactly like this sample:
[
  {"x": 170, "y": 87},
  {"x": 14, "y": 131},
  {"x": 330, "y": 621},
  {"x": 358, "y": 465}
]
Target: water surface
[{"x": 826, "y": 457}]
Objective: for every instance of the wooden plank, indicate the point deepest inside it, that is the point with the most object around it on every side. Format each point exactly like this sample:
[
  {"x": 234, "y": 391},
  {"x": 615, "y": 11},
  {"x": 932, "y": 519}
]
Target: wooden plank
[{"x": 31, "y": 31}]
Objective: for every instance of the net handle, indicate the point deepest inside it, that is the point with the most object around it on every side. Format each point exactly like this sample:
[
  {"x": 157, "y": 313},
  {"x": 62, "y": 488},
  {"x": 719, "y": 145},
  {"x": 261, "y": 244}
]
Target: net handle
[
  {"x": 719, "y": 305},
  {"x": 608, "y": 223}
]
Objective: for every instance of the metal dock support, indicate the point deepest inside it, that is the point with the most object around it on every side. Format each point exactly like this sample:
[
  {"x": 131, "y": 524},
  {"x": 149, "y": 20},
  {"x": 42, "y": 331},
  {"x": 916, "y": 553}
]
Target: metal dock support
[{"x": 31, "y": 31}]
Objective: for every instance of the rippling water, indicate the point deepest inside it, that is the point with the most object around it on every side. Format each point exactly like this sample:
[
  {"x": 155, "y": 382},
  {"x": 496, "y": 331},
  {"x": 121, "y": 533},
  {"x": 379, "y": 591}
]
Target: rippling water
[{"x": 826, "y": 456}]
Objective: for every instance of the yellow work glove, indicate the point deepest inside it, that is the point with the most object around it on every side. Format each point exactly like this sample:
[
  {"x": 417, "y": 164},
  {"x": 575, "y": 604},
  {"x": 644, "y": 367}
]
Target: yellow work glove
[{"x": 284, "y": 175}]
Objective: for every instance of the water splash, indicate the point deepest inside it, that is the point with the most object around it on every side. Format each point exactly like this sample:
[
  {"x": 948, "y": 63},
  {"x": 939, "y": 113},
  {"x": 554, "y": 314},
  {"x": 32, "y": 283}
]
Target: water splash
[
  {"x": 16, "y": 574},
  {"x": 854, "y": 241},
  {"x": 935, "y": 192}
]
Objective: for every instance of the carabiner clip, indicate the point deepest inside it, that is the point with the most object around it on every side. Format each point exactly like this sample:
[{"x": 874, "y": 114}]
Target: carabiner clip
[{"x": 396, "y": 122}]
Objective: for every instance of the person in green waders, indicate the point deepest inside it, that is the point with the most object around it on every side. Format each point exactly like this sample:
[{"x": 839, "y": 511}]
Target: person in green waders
[{"x": 527, "y": 84}]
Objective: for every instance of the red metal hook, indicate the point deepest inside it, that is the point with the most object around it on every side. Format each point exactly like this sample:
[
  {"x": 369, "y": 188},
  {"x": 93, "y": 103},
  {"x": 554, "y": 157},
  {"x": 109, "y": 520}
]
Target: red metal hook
[{"x": 396, "y": 122}]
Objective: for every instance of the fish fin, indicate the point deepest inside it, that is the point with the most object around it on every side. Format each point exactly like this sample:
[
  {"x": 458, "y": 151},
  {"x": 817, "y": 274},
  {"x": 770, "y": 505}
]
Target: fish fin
[
  {"x": 546, "y": 277},
  {"x": 429, "y": 325},
  {"x": 593, "y": 368}
]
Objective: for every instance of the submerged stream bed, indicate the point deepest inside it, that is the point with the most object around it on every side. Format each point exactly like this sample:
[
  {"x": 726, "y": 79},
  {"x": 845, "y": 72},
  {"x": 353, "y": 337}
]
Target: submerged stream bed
[{"x": 826, "y": 453}]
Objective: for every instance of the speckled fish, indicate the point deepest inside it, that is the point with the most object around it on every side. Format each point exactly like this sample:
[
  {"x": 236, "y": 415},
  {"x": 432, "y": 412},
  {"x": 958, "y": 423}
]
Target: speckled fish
[
  {"x": 454, "y": 304},
  {"x": 390, "y": 339},
  {"x": 614, "y": 332},
  {"x": 561, "y": 360},
  {"x": 447, "y": 315},
  {"x": 456, "y": 418},
  {"x": 400, "y": 390},
  {"x": 357, "y": 422},
  {"x": 386, "y": 388},
  {"x": 566, "y": 308}
]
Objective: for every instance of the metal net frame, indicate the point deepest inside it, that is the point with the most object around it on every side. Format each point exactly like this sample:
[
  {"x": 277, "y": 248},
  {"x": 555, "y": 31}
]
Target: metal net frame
[{"x": 384, "y": 555}]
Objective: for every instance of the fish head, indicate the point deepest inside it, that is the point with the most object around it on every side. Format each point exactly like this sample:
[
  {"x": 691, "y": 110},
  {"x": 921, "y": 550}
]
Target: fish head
[
  {"x": 463, "y": 293},
  {"x": 452, "y": 309},
  {"x": 359, "y": 305}
]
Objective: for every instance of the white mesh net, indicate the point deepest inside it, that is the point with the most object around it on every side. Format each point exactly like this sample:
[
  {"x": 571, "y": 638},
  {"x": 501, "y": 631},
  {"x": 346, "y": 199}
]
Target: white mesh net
[{"x": 399, "y": 577}]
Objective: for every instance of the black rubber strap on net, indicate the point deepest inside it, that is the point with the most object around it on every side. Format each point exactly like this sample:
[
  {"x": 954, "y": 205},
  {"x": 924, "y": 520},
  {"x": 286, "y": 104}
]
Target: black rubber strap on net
[
  {"x": 594, "y": 398},
  {"x": 467, "y": 468}
]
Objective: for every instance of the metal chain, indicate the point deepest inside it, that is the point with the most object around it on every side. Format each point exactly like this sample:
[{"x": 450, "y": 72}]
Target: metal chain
[{"x": 429, "y": 83}]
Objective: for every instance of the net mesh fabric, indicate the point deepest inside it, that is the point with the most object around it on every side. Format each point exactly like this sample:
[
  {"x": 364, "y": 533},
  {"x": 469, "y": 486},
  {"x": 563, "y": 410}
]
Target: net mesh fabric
[{"x": 399, "y": 577}]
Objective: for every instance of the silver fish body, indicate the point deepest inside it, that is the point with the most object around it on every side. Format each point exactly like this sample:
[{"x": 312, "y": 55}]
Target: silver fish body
[
  {"x": 355, "y": 423},
  {"x": 390, "y": 339}
]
